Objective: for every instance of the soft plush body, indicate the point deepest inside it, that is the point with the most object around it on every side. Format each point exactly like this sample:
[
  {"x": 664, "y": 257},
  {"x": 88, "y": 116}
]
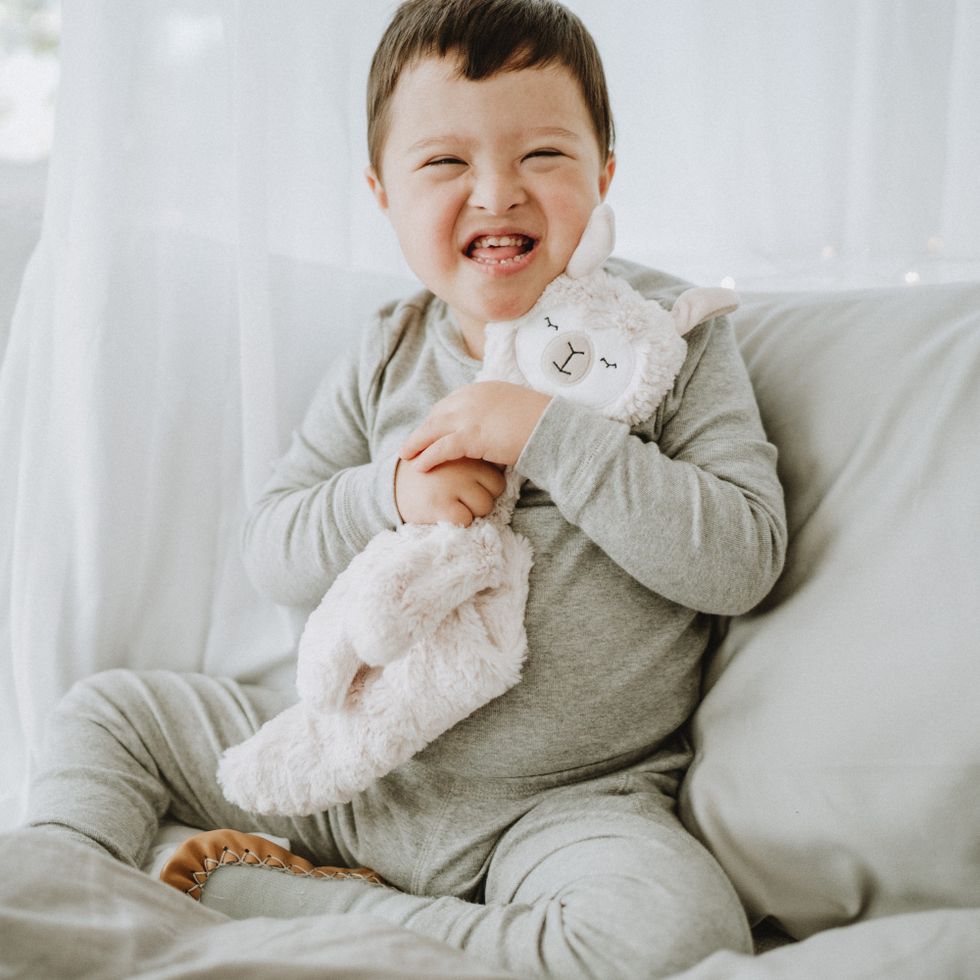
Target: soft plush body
[{"x": 426, "y": 625}]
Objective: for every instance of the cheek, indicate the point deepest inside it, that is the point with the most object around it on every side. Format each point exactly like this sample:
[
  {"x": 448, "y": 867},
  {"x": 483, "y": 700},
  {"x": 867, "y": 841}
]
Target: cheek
[
  {"x": 570, "y": 207},
  {"x": 420, "y": 229},
  {"x": 424, "y": 226}
]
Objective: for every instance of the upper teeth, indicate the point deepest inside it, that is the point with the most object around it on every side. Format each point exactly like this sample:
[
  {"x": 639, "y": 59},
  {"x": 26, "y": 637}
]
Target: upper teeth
[{"x": 488, "y": 240}]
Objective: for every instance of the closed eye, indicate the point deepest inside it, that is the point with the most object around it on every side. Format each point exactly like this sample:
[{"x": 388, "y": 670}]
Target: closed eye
[
  {"x": 544, "y": 153},
  {"x": 445, "y": 161},
  {"x": 548, "y": 323},
  {"x": 608, "y": 364}
]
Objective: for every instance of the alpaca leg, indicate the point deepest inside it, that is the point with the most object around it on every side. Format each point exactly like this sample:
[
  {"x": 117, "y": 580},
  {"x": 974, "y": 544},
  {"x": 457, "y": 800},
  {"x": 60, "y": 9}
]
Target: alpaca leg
[
  {"x": 408, "y": 581},
  {"x": 305, "y": 760},
  {"x": 327, "y": 661},
  {"x": 474, "y": 656},
  {"x": 284, "y": 768}
]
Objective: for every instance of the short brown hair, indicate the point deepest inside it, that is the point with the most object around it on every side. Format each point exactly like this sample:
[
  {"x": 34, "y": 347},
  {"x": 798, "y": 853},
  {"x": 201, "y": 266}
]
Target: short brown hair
[{"x": 488, "y": 36}]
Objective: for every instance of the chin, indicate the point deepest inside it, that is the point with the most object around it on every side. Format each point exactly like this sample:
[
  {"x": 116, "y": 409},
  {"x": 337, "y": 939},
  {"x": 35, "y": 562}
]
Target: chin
[
  {"x": 502, "y": 315},
  {"x": 509, "y": 309}
]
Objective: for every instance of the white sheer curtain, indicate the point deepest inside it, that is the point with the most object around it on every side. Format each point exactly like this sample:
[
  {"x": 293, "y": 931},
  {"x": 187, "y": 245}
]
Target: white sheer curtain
[{"x": 208, "y": 244}]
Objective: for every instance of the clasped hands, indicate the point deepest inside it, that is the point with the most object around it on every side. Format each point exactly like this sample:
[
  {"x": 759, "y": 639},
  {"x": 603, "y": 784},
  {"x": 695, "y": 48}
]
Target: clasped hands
[{"x": 450, "y": 467}]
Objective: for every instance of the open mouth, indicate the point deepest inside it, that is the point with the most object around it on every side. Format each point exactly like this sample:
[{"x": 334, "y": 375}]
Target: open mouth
[{"x": 500, "y": 249}]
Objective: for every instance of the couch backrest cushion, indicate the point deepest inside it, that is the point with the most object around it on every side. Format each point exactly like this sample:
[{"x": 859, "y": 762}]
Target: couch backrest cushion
[{"x": 837, "y": 769}]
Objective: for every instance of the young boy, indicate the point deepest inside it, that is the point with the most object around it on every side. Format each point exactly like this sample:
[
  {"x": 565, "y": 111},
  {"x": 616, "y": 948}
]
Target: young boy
[{"x": 540, "y": 833}]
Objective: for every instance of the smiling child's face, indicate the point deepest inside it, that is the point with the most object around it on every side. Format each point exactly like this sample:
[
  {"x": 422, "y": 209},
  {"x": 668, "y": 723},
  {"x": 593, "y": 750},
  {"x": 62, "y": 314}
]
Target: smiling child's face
[{"x": 489, "y": 184}]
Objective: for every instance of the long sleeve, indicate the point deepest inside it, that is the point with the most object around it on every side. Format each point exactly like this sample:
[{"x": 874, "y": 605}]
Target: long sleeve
[
  {"x": 327, "y": 498},
  {"x": 688, "y": 504}
]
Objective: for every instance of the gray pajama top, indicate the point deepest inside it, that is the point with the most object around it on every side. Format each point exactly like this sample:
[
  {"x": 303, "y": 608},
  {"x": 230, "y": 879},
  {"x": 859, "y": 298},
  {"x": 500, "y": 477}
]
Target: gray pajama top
[{"x": 640, "y": 536}]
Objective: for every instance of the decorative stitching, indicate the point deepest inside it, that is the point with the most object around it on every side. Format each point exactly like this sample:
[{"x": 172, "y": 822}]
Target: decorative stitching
[
  {"x": 572, "y": 353},
  {"x": 272, "y": 863}
]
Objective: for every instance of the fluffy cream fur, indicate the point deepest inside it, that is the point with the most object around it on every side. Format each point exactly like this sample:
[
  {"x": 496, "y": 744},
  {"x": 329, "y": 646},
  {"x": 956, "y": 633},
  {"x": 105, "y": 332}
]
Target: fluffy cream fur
[{"x": 310, "y": 757}]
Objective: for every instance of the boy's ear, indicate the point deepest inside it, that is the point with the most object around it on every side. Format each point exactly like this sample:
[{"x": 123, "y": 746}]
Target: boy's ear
[
  {"x": 374, "y": 182},
  {"x": 606, "y": 176}
]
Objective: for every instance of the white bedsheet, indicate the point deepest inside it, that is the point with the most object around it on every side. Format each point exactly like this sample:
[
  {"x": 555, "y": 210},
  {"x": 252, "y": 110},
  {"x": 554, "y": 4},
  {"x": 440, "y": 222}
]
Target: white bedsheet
[{"x": 67, "y": 910}]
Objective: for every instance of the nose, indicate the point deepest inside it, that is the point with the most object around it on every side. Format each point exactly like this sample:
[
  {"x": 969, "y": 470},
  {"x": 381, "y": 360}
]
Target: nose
[{"x": 497, "y": 190}]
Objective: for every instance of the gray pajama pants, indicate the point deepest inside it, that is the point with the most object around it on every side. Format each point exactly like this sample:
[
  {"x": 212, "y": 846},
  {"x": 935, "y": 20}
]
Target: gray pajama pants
[{"x": 583, "y": 873}]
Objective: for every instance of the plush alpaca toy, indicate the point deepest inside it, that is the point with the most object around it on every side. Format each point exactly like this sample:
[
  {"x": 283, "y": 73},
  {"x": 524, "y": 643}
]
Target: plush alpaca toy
[{"x": 427, "y": 624}]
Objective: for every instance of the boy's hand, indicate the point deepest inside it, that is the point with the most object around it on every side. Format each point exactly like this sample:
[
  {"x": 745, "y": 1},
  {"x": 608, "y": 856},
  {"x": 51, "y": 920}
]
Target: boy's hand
[
  {"x": 489, "y": 420},
  {"x": 457, "y": 491}
]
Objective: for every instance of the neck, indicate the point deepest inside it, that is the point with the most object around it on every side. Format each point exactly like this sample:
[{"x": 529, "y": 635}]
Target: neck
[
  {"x": 474, "y": 345},
  {"x": 473, "y": 334}
]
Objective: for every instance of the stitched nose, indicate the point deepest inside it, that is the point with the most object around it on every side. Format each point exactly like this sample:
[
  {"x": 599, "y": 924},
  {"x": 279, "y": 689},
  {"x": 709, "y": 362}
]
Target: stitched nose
[{"x": 567, "y": 358}]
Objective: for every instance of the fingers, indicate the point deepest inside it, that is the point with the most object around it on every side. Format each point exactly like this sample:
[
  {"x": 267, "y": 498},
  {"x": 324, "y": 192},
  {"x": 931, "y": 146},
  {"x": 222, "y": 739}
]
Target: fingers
[
  {"x": 444, "y": 450},
  {"x": 488, "y": 476},
  {"x": 418, "y": 440},
  {"x": 477, "y": 499},
  {"x": 457, "y": 513},
  {"x": 455, "y": 491},
  {"x": 451, "y": 418},
  {"x": 491, "y": 477}
]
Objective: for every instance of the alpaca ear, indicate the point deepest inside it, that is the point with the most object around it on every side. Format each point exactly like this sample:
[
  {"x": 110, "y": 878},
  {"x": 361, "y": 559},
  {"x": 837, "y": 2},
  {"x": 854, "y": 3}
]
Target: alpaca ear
[
  {"x": 596, "y": 244},
  {"x": 701, "y": 303}
]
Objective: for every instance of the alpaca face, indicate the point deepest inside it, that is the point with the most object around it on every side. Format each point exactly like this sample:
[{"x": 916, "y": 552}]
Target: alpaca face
[{"x": 561, "y": 354}]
